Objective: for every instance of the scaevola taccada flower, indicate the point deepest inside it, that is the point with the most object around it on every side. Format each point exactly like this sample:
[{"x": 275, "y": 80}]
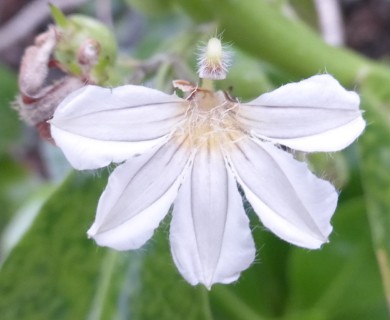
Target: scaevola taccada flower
[{"x": 192, "y": 152}]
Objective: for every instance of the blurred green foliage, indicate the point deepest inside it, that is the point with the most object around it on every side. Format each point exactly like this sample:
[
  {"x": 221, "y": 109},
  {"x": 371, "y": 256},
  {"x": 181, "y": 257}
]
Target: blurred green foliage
[
  {"x": 10, "y": 125},
  {"x": 55, "y": 272},
  {"x": 12, "y": 175}
]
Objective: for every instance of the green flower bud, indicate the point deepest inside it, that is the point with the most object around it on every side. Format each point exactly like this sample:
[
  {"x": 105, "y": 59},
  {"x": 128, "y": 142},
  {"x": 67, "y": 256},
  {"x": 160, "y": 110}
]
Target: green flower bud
[{"x": 85, "y": 48}]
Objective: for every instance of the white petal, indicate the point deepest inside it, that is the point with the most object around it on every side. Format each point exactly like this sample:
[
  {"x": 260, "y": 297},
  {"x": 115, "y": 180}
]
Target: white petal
[
  {"x": 138, "y": 196},
  {"x": 210, "y": 235},
  {"x": 95, "y": 126},
  {"x": 290, "y": 200},
  {"x": 85, "y": 153},
  {"x": 316, "y": 114}
]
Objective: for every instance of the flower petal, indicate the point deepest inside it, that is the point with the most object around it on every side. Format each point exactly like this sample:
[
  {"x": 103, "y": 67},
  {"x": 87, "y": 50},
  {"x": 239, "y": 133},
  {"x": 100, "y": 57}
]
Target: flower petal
[
  {"x": 316, "y": 114},
  {"x": 290, "y": 200},
  {"x": 95, "y": 126},
  {"x": 138, "y": 196},
  {"x": 210, "y": 235}
]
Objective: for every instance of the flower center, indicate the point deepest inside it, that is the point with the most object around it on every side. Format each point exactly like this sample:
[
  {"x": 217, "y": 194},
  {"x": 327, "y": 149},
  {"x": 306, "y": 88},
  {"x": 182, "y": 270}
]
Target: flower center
[{"x": 211, "y": 119}]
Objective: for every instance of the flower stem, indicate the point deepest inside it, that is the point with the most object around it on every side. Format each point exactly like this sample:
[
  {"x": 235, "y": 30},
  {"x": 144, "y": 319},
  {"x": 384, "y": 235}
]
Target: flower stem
[
  {"x": 103, "y": 285},
  {"x": 207, "y": 84},
  {"x": 383, "y": 259},
  {"x": 229, "y": 302},
  {"x": 206, "y": 304}
]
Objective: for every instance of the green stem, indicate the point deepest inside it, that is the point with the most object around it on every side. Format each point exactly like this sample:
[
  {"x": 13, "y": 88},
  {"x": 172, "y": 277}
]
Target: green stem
[
  {"x": 207, "y": 84},
  {"x": 160, "y": 82},
  {"x": 261, "y": 30},
  {"x": 228, "y": 301},
  {"x": 383, "y": 259}
]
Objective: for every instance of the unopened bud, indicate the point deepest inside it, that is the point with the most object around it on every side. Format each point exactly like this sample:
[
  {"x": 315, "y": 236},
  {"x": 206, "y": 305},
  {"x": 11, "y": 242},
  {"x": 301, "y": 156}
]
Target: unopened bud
[
  {"x": 214, "y": 60},
  {"x": 85, "y": 46}
]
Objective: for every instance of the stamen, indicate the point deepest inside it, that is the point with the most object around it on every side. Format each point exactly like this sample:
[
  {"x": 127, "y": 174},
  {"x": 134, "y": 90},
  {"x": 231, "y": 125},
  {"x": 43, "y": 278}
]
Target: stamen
[{"x": 210, "y": 116}]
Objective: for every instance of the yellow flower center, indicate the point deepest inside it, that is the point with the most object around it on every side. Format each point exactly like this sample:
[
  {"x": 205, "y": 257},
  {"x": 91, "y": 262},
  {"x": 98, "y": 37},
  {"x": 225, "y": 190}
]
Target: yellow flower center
[{"x": 211, "y": 119}]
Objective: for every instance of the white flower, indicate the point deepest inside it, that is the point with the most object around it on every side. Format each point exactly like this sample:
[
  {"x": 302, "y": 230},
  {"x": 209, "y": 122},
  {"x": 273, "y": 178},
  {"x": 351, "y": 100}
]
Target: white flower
[{"x": 192, "y": 153}]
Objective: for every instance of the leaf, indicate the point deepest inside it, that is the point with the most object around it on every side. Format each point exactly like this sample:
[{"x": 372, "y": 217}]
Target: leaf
[
  {"x": 150, "y": 287},
  {"x": 58, "y": 16},
  {"x": 340, "y": 281},
  {"x": 55, "y": 272},
  {"x": 262, "y": 290},
  {"x": 16, "y": 184},
  {"x": 10, "y": 126},
  {"x": 375, "y": 163}
]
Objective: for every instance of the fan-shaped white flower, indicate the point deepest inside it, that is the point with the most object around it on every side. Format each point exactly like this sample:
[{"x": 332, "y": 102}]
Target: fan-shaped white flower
[{"x": 192, "y": 153}]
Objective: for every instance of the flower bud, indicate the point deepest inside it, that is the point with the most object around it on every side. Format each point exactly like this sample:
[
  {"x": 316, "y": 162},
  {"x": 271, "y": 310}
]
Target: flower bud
[{"x": 84, "y": 42}]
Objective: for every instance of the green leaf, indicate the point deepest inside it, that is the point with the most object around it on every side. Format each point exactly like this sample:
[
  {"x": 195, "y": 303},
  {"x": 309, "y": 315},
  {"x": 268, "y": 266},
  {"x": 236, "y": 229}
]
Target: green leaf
[
  {"x": 16, "y": 184},
  {"x": 52, "y": 272},
  {"x": 10, "y": 126},
  {"x": 262, "y": 290},
  {"x": 340, "y": 281},
  {"x": 375, "y": 163},
  {"x": 149, "y": 286},
  {"x": 58, "y": 16},
  {"x": 55, "y": 272}
]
